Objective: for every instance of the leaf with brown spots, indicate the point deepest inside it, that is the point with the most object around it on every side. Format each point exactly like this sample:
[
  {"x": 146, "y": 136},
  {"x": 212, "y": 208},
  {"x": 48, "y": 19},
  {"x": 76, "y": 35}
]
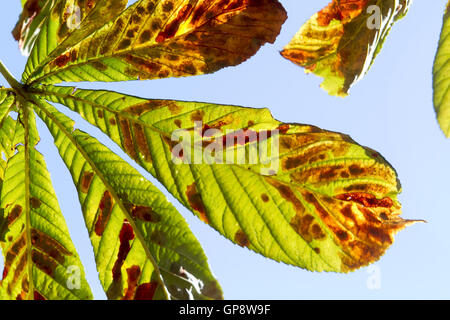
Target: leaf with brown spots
[
  {"x": 58, "y": 26},
  {"x": 136, "y": 234},
  {"x": 340, "y": 42},
  {"x": 30, "y": 21},
  {"x": 318, "y": 200},
  {"x": 36, "y": 245},
  {"x": 160, "y": 39}
]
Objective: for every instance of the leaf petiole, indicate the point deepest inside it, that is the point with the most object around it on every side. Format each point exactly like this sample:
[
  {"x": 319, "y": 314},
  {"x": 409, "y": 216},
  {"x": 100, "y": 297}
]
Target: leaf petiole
[{"x": 10, "y": 78}]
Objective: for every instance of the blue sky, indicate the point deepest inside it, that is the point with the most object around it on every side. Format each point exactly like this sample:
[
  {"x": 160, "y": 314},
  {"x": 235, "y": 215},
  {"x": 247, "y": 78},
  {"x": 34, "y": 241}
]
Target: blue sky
[{"x": 390, "y": 110}]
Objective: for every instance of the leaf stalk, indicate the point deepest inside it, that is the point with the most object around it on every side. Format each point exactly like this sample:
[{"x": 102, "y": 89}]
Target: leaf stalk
[{"x": 10, "y": 79}]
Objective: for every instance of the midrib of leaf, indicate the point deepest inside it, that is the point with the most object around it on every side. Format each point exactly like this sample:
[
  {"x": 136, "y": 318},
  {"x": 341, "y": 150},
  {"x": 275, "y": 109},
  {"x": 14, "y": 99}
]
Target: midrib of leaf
[
  {"x": 108, "y": 186},
  {"x": 26, "y": 111}
]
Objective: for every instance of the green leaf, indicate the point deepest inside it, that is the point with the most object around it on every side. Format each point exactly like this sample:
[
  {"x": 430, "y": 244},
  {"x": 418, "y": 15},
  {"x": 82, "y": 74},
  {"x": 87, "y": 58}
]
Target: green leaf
[
  {"x": 65, "y": 24},
  {"x": 340, "y": 42},
  {"x": 318, "y": 201},
  {"x": 169, "y": 38},
  {"x": 158, "y": 256},
  {"x": 30, "y": 22},
  {"x": 7, "y": 130},
  {"x": 7, "y": 100},
  {"x": 40, "y": 259},
  {"x": 441, "y": 80}
]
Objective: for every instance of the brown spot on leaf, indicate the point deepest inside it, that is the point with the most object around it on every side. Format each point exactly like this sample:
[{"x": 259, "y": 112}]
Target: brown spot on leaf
[
  {"x": 21, "y": 296},
  {"x": 12, "y": 253},
  {"x": 100, "y": 66},
  {"x": 125, "y": 236},
  {"x": 141, "y": 141},
  {"x": 241, "y": 238},
  {"x": 86, "y": 181},
  {"x": 265, "y": 197},
  {"x": 199, "y": 13},
  {"x": 25, "y": 284},
  {"x": 356, "y": 170},
  {"x": 287, "y": 193},
  {"x": 43, "y": 262},
  {"x": 145, "y": 36},
  {"x": 317, "y": 232},
  {"x": 367, "y": 200},
  {"x": 348, "y": 212},
  {"x": 20, "y": 267},
  {"x": 310, "y": 155},
  {"x": 127, "y": 138},
  {"x": 144, "y": 65},
  {"x": 196, "y": 202},
  {"x": 49, "y": 245},
  {"x": 38, "y": 296},
  {"x": 197, "y": 115},
  {"x": 125, "y": 43},
  {"x": 133, "y": 277},
  {"x": 177, "y": 123},
  {"x": 168, "y": 6},
  {"x": 188, "y": 67},
  {"x": 62, "y": 60},
  {"x": 340, "y": 10},
  {"x": 284, "y": 128},
  {"x": 146, "y": 291},
  {"x": 140, "y": 109},
  {"x": 145, "y": 214},
  {"x": 377, "y": 233},
  {"x": 104, "y": 212},
  {"x": 174, "y": 108},
  {"x": 301, "y": 224},
  {"x": 158, "y": 237},
  {"x": 35, "y": 203},
  {"x": 14, "y": 214},
  {"x": 309, "y": 197},
  {"x": 172, "y": 27},
  {"x": 342, "y": 235}
]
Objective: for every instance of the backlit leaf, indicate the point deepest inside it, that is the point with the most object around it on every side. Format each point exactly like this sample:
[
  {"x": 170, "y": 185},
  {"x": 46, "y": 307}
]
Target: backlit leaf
[
  {"x": 65, "y": 24},
  {"x": 30, "y": 22},
  {"x": 318, "y": 200},
  {"x": 40, "y": 259},
  {"x": 156, "y": 255},
  {"x": 340, "y": 42},
  {"x": 7, "y": 129},
  {"x": 441, "y": 79},
  {"x": 160, "y": 39},
  {"x": 7, "y": 99}
]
